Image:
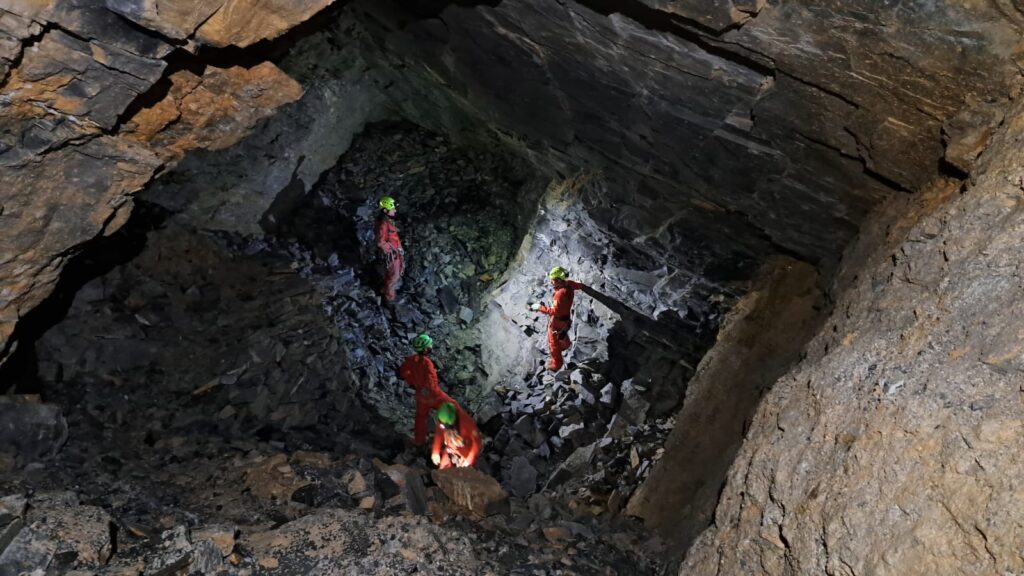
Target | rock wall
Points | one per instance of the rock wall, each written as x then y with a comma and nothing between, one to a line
98,99
895,448
231,188
760,339
92,110
784,121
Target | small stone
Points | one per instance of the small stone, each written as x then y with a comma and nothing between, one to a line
13,506
617,428
414,493
449,300
30,552
608,394
579,530
544,451
173,554
206,558
368,502
634,407
31,430
523,479
615,502
357,484
540,506
587,396
557,534
568,432
527,428
573,465
466,314
577,377
396,472
222,535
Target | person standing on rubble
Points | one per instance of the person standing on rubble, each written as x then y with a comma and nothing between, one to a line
457,440
390,246
419,372
560,313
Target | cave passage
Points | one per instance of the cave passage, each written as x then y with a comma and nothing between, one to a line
248,380
795,348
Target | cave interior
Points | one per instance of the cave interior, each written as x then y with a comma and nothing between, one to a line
198,373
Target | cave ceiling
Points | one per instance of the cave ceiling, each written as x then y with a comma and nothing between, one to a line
737,128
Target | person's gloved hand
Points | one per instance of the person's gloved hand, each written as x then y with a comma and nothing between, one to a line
535,306
436,459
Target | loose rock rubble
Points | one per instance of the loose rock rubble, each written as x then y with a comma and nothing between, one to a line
240,399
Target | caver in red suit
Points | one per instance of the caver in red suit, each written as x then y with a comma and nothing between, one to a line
456,445
561,320
418,370
388,242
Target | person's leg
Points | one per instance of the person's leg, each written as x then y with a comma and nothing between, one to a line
391,277
555,363
420,428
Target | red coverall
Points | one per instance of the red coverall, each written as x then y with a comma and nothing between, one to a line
461,443
561,319
418,370
386,234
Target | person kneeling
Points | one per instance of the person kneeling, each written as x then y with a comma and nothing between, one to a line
457,440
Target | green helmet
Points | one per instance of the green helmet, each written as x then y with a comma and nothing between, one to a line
387,203
422,342
446,414
558,273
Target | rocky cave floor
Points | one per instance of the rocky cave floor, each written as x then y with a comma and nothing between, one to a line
232,405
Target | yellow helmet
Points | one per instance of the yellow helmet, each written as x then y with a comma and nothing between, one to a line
387,203
558,273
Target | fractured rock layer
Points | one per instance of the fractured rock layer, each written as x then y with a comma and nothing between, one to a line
762,336
895,448
796,123
73,74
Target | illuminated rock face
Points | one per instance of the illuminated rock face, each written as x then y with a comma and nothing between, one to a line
680,144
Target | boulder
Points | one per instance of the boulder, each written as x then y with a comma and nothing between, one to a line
29,430
61,535
472,490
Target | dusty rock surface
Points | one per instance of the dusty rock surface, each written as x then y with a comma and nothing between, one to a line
895,447
212,111
784,121
72,76
763,335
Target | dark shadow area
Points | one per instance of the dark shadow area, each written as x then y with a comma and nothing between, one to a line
763,337
659,354
19,373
